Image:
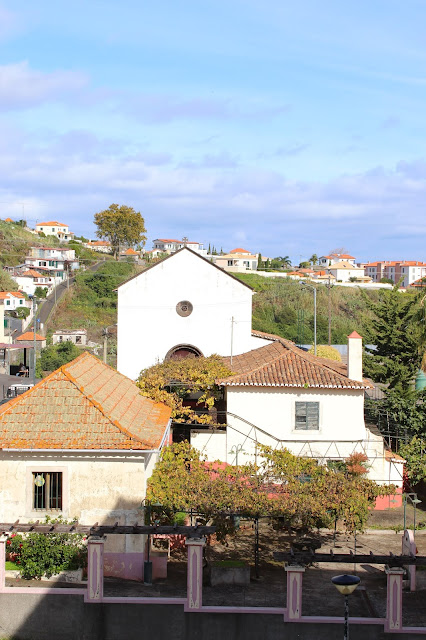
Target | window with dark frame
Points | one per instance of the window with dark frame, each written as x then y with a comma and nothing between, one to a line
307,415
47,490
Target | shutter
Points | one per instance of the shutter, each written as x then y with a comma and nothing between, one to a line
312,415
307,415
301,415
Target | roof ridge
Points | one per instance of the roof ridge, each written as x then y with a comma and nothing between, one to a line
96,404
308,357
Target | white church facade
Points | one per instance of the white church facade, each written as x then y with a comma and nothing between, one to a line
278,395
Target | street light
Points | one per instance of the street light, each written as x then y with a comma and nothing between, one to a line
415,501
314,289
346,585
34,301
236,448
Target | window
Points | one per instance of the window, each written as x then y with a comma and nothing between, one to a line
21,302
307,415
47,491
7,303
77,339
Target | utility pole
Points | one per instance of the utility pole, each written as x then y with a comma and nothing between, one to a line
105,334
329,310
232,337
35,339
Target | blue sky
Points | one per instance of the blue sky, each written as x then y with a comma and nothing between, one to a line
288,130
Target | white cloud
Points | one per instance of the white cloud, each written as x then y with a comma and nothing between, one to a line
23,87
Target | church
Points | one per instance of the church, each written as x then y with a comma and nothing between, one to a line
278,395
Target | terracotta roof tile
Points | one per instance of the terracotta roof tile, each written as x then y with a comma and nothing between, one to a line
6,294
29,335
83,405
282,364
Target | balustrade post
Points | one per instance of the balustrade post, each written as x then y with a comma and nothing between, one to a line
3,540
95,569
194,596
294,592
393,621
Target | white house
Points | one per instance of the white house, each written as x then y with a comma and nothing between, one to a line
170,245
237,261
81,444
344,270
182,304
78,337
103,246
279,395
333,258
29,280
13,300
54,228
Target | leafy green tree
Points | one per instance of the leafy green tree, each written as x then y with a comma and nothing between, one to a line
121,226
55,356
304,265
397,356
313,259
259,261
298,492
40,292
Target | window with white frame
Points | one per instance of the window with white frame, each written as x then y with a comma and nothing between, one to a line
307,415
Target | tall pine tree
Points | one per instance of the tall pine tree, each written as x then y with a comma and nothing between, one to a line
397,357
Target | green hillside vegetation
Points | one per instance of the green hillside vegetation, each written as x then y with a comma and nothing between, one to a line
15,242
284,307
92,302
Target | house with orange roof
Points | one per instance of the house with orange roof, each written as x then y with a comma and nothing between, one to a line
328,261
81,444
345,271
237,261
171,245
283,397
129,255
404,272
13,300
55,228
278,395
28,337
28,281
103,246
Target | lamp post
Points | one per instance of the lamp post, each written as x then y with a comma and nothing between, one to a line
415,501
312,288
236,448
34,301
346,585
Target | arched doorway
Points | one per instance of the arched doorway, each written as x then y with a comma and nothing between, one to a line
181,351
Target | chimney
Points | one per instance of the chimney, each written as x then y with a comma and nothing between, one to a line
355,356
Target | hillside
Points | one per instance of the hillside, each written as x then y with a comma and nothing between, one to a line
285,307
15,243
92,302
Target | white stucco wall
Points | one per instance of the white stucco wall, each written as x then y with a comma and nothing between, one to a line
149,326
104,488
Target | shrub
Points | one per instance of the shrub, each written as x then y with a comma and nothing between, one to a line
325,351
38,554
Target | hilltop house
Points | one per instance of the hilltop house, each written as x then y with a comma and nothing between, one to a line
333,258
237,261
279,395
54,228
81,444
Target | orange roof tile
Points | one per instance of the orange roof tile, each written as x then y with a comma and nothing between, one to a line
51,223
239,250
282,364
32,273
29,335
131,252
16,294
83,405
